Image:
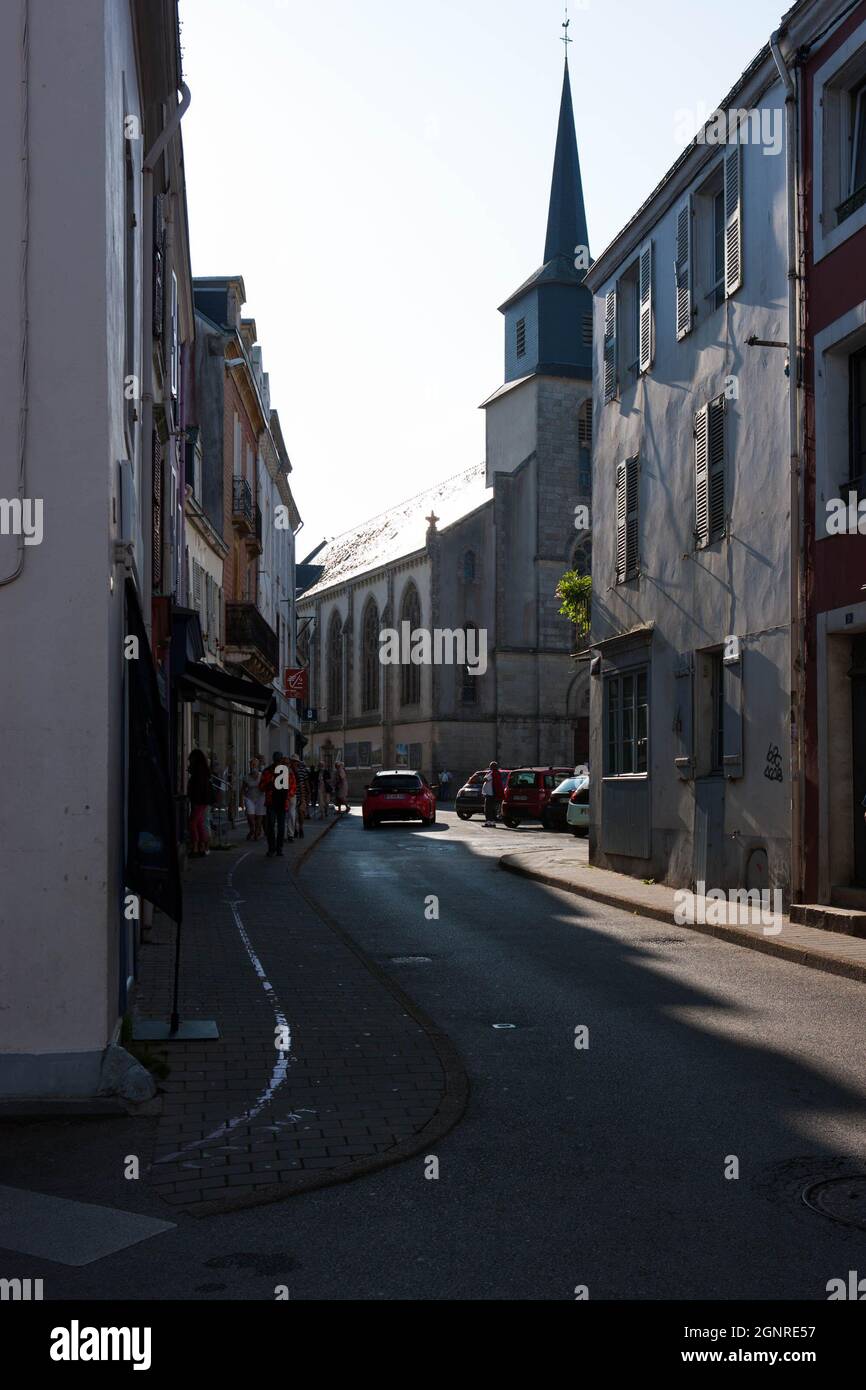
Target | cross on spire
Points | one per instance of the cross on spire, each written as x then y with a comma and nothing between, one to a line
431,519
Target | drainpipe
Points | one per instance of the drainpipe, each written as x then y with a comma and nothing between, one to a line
148,165
797,653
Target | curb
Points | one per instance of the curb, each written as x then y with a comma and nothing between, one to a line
797,955
450,1110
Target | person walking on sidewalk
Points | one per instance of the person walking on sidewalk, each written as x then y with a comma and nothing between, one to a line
324,792
445,785
280,787
302,804
493,791
201,795
254,804
341,788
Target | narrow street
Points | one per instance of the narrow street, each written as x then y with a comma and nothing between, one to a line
601,1166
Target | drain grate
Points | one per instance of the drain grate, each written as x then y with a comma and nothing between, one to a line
842,1199
411,960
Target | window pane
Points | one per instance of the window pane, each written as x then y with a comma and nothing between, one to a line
612,727
642,723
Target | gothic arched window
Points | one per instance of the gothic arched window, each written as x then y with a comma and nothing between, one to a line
410,674
469,565
370,657
468,681
335,667
581,559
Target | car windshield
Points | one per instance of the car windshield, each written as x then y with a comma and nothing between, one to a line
567,786
398,782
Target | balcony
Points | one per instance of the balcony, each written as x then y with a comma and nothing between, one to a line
251,642
243,518
254,539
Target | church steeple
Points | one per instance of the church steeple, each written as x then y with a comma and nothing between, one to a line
548,320
566,218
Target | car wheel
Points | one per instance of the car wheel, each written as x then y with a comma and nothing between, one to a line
511,822
464,815
428,820
578,830
546,823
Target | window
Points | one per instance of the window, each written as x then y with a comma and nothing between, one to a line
370,666
350,755
364,751
627,498
839,144
857,376
610,363
174,345
718,245
710,509
416,754
410,674
469,566
627,724
468,682
717,725
520,335
584,448
628,298
401,759
582,557
335,667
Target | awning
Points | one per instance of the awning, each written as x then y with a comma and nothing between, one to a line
202,682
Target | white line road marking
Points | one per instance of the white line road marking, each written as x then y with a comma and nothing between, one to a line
278,1074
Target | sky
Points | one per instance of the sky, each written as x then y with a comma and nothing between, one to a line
379,174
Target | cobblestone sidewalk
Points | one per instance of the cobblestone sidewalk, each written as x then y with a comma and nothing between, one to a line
362,1078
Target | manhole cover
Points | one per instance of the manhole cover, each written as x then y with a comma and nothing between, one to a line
411,960
842,1199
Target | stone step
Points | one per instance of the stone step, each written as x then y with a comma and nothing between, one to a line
846,920
849,897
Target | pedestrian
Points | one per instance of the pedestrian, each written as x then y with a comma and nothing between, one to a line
279,787
200,794
254,803
341,788
444,785
493,792
324,791
302,802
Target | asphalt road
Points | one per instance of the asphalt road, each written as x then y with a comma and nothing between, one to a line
601,1166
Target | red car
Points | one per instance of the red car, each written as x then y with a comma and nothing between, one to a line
528,792
398,795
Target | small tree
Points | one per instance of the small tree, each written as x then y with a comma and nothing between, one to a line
574,592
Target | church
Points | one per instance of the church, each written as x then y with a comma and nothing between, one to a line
483,550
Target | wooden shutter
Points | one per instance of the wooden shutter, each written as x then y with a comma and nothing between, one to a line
156,531
732,732
702,504
733,220
716,467
196,588
631,504
610,345
158,264
684,756
646,306
683,268
621,519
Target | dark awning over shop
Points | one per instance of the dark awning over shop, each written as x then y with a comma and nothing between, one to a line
196,680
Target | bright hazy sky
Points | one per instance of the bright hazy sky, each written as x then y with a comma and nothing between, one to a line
379,174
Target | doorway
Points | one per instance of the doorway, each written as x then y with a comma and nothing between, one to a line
857,675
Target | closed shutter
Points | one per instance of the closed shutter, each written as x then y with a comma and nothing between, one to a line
646,307
683,269
716,466
733,220
684,756
621,554
610,345
158,264
196,589
156,532
732,728
702,505
631,501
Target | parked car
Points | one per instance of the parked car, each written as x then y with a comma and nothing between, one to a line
577,814
528,791
555,814
469,801
398,795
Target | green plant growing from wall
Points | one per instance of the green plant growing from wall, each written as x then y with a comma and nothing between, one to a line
574,592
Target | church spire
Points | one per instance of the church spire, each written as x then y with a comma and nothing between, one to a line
566,218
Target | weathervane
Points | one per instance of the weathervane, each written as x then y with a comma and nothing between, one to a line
565,39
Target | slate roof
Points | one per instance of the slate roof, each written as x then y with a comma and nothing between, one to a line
402,529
